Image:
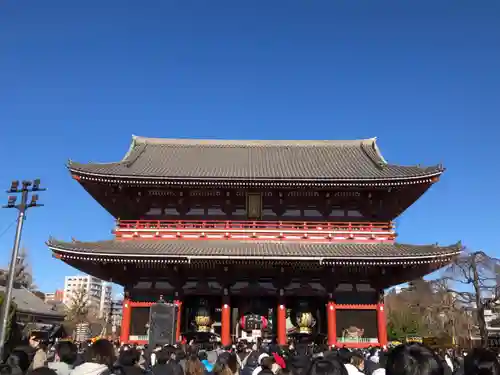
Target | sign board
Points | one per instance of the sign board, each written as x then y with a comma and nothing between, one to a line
256,333
493,341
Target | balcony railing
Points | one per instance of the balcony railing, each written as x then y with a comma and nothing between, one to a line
260,230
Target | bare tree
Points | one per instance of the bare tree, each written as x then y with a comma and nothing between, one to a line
23,276
473,280
425,308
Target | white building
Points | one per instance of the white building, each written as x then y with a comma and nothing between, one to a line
97,292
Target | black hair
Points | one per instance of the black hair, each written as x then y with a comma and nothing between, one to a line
414,358
129,357
101,351
67,352
481,361
202,355
330,366
162,357
344,355
42,371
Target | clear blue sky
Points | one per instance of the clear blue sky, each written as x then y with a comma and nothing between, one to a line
78,78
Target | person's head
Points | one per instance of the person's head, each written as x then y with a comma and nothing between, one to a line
66,352
19,358
101,352
344,355
202,355
267,363
481,362
414,358
221,369
162,357
330,366
194,366
358,361
42,371
129,357
241,346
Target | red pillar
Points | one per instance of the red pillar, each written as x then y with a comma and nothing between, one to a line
331,317
178,303
125,325
281,324
382,326
226,323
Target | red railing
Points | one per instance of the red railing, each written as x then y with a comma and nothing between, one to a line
255,225
279,230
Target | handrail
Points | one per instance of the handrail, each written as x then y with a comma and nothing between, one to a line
228,225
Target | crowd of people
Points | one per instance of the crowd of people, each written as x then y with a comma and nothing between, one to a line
106,358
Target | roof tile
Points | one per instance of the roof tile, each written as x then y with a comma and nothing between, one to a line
249,249
254,160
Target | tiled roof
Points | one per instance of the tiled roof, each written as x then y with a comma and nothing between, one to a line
231,249
223,160
29,303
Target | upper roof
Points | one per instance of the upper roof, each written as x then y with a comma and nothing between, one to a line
189,250
258,160
29,303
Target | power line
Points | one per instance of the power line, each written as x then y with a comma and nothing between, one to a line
7,228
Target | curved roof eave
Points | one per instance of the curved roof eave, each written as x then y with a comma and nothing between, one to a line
453,250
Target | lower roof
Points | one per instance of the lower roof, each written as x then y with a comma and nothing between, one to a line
29,303
188,250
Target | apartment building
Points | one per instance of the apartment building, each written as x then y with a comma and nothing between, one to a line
97,292
55,297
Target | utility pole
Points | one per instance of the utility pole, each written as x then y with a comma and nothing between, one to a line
24,189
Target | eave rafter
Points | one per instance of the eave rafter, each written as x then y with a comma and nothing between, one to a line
147,261
275,183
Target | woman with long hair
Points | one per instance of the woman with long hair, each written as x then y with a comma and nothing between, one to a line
194,366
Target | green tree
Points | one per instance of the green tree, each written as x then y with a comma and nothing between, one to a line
78,307
12,315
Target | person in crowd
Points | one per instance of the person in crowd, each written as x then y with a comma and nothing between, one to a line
203,356
232,363
173,362
152,360
40,358
413,359
42,371
161,366
248,356
65,358
328,365
481,362
221,369
382,362
372,362
180,358
356,364
128,362
194,366
99,359
18,362
266,362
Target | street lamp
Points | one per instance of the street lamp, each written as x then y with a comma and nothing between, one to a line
15,188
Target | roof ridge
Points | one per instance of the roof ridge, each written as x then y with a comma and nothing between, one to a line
136,140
